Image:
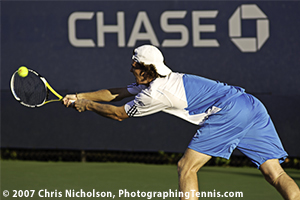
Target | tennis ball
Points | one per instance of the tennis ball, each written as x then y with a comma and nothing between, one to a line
23,71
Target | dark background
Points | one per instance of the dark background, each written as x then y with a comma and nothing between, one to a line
35,34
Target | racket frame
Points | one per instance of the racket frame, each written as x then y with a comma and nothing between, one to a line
47,87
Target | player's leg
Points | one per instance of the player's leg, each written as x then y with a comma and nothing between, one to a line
262,145
277,177
188,167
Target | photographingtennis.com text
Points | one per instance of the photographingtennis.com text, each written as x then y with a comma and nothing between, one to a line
122,193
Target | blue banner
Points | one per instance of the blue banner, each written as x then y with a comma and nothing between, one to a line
84,46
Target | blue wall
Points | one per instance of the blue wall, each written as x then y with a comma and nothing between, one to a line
253,45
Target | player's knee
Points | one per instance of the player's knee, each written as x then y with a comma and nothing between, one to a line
184,167
272,170
180,165
274,177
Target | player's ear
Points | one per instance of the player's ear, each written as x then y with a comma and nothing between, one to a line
143,73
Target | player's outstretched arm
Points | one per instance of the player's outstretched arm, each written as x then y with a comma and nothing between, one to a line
104,95
105,110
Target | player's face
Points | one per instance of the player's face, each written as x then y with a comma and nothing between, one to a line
139,75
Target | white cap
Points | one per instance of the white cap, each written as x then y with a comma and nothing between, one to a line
149,54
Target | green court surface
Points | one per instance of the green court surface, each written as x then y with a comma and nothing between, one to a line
70,180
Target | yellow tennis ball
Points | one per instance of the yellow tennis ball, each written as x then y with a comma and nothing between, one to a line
23,71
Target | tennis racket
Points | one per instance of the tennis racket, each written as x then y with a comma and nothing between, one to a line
33,90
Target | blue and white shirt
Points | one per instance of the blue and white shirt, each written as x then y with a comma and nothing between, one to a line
192,98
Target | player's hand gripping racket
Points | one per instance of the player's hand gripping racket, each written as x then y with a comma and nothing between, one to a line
32,90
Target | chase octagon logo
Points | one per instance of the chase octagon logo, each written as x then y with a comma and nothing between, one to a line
248,44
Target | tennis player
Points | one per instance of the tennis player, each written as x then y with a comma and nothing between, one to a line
227,116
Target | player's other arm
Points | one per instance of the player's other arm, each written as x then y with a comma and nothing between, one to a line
105,110
104,95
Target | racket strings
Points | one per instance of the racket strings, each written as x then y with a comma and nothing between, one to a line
31,90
